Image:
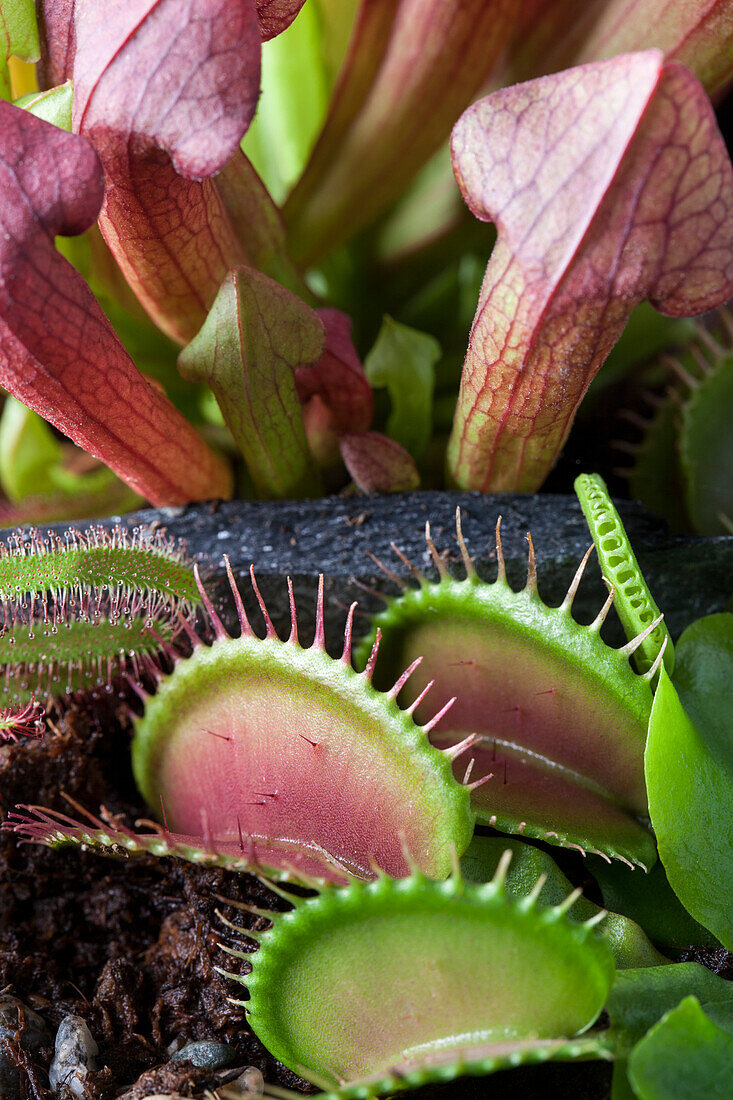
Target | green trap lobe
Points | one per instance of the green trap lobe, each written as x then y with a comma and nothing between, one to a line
416,973
270,740
561,717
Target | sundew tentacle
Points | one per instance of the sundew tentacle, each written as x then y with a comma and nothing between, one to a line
560,716
632,599
77,611
382,986
96,559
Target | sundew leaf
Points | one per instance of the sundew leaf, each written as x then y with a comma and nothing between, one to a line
382,986
479,863
254,339
18,38
706,448
690,797
165,90
684,1057
58,353
403,360
597,208
412,67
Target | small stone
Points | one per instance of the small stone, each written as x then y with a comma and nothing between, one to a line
75,1056
251,1082
15,1017
206,1055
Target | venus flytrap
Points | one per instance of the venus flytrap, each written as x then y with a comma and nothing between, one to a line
260,755
438,947
559,717
680,462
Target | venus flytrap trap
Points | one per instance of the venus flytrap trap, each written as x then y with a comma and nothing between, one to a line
558,718
260,752
680,463
439,946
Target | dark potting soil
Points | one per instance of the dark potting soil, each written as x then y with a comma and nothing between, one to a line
131,945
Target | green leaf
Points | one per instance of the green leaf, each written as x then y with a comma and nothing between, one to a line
18,37
28,452
403,360
479,863
703,676
255,336
690,799
684,1057
54,105
336,24
641,997
649,900
292,105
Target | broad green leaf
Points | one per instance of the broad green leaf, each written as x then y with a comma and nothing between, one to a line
292,105
690,799
18,37
255,337
54,105
649,900
28,452
403,360
479,863
684,1057
641,996
703,677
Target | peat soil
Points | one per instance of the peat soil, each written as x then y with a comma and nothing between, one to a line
131,945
